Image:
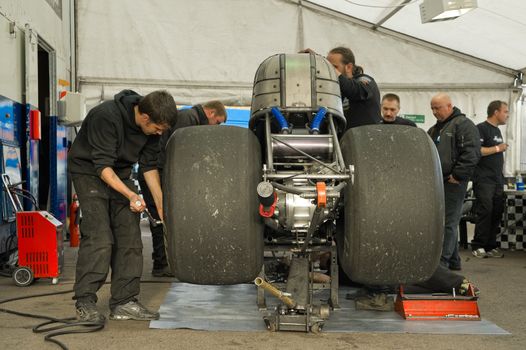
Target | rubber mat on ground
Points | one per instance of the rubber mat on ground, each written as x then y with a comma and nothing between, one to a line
233,308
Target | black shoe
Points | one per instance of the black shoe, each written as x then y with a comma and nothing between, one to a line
133,310
455,268
87,312
162,272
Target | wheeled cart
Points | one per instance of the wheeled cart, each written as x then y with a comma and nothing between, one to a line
40,241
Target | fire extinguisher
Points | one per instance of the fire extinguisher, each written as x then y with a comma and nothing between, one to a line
74,231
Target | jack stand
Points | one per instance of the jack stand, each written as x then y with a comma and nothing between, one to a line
438,307
311,320
296,313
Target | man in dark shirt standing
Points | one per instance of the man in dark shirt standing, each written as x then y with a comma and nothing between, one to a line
488,183
390,110
115,135
458,145
210,113
361,97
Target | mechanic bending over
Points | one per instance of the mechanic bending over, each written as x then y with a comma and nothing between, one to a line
210,113
115,135
361,97
360,94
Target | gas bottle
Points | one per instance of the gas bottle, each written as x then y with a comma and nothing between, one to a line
74,229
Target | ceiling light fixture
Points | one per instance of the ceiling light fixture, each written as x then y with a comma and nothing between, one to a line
443,10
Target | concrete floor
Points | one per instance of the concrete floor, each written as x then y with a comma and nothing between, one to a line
501,281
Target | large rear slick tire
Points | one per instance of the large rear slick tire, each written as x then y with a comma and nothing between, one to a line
214,232
394,206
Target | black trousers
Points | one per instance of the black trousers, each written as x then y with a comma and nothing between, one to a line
110,237
442,281
159,249
489,206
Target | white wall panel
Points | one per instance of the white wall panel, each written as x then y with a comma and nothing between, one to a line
52,29
11,62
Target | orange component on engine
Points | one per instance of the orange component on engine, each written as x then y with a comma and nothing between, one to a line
321,189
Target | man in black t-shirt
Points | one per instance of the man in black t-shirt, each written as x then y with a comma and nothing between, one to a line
390,110
488,183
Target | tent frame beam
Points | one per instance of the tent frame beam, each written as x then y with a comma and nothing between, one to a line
371,26
390,14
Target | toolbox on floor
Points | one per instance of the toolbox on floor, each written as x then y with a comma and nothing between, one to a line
438,307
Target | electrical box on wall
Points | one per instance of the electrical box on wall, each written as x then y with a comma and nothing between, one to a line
72,109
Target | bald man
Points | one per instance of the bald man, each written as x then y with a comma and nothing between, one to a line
458,143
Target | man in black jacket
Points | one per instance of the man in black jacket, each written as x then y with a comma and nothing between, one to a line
360,94
115,135
210,113
458,145
390,110
488,183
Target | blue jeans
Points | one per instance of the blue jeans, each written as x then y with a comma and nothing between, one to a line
454,198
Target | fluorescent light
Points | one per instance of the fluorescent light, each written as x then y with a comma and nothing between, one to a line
442,10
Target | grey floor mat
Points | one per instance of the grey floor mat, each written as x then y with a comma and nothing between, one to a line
233,308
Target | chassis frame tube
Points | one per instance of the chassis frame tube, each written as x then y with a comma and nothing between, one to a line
337,148
310,176
268,137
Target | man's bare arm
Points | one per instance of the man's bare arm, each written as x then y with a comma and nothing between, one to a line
136,202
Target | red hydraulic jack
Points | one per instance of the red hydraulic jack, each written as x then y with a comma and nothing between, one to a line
438,307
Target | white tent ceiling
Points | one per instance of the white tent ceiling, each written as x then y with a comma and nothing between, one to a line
205,49
495,31
208,49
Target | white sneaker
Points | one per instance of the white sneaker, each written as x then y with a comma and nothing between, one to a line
480,253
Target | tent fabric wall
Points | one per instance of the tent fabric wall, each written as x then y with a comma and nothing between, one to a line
210,48
214,48
493,28
204,50
394,61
